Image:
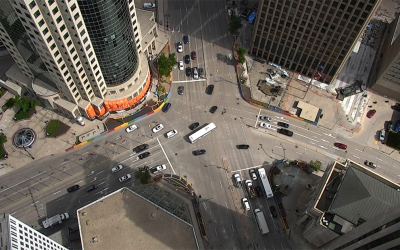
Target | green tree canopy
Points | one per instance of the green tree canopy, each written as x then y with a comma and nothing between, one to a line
24,103
315,165
235,24
143,174
242,52
165,64
3,139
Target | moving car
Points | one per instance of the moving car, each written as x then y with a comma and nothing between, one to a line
156,169
180,90
285,132
171,133
199,152
213,109
340,145
210,89
131,128
253,175
125,177
382,135
371,113
242,146
193,55
265,118
282,124
273,211
117,168
370,164
187,59
157,128
259,191
201,72
188,72
195,73
143,155
92,187
141,148
185,39
181,67
265,125
194,125
166,107
246,204
73,188
180,49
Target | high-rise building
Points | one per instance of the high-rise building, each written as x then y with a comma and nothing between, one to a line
314,38
15,235
80,57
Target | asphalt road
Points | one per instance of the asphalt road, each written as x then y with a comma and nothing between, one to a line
39,189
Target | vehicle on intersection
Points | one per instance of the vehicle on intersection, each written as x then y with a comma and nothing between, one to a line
194,125
117,168
125,177
180,90
73,188
158,168
285,132
157,128
213,109
202,132
181,67
140,148
265,118
143,155
265,125
171,133
199,152
180,49
252,174
242,146
340,145
370,164
131,128
92,187
371,113
282,124
265,182
188,72
261,222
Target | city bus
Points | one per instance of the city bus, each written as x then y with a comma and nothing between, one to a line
261,222
201,132
265,183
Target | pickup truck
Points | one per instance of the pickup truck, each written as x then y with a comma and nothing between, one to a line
250,189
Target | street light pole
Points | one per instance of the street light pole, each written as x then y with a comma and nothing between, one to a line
28,153
284,155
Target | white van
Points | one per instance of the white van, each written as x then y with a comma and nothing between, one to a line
195,73
171,133
149,5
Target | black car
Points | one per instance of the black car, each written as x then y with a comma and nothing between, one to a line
180,90
282,124
259,191
187,59
210,89
194,125
396,107
185,39
73,188
201,72
188,72
213,109
285,132
242,146
143,155
199,152
141,148
166,107
389,125
273,211
92,187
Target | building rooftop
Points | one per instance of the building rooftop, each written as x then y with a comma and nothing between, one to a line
125,220
308,111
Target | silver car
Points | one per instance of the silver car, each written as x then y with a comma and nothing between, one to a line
125,177
265,118
382,135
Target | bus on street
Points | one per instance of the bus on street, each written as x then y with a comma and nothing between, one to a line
265,183
202,132
261,222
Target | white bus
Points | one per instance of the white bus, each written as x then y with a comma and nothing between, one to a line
265,182
202,132
261,222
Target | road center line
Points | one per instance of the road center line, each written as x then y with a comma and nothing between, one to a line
255,125
306,137
356,157
57,192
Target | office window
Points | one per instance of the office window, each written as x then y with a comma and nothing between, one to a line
76,16
75,57
45,31
88,47
32,4
83,32
85,40
66,35
72,50
52,46
41,22
51,2
90,54
69,43
79,24
62,66
55,10
56,53
62,28
36,14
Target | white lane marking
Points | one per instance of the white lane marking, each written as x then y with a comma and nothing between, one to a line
255,125
64,163
306,137
220,182
79,182
166,156
212,185
356,157
13,213
278,147
100,172
84,195
378,159
281,118
102,183
57,192
358,150
62,206
100,192
34,203
24,181
330,135
312,142
323,147
299,153
60,199
305,129
324,140
335,148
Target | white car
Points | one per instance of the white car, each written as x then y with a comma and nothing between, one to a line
156,169
253,175
181,67
265,125
180,49
116,168
238,181
125,178
157,128
171,133
265,118
246,204
131,128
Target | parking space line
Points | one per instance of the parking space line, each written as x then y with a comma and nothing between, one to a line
166,156
255,125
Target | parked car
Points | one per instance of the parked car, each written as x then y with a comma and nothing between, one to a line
340,145
210,89
285,132
246,204
396,107
259,191
157,128
131,128
116,168
181,67
382,135
91,188
371,113
237,180
265,125
188,72
180,90
201,72
193,55
166,107
187,59
141,148
265,118
199,152
158,168
370,164
273,211
195,73
180,49
194,125
125,177
253,175
389,125
171,133
73,188
213,109
143,155
282,124
242,146
185,39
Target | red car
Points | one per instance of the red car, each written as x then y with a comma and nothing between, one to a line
193,55
371,113
340,145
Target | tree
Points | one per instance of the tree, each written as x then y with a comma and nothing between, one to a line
3,139
165,64
143,174
316,165
241,53
234,24
24,103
